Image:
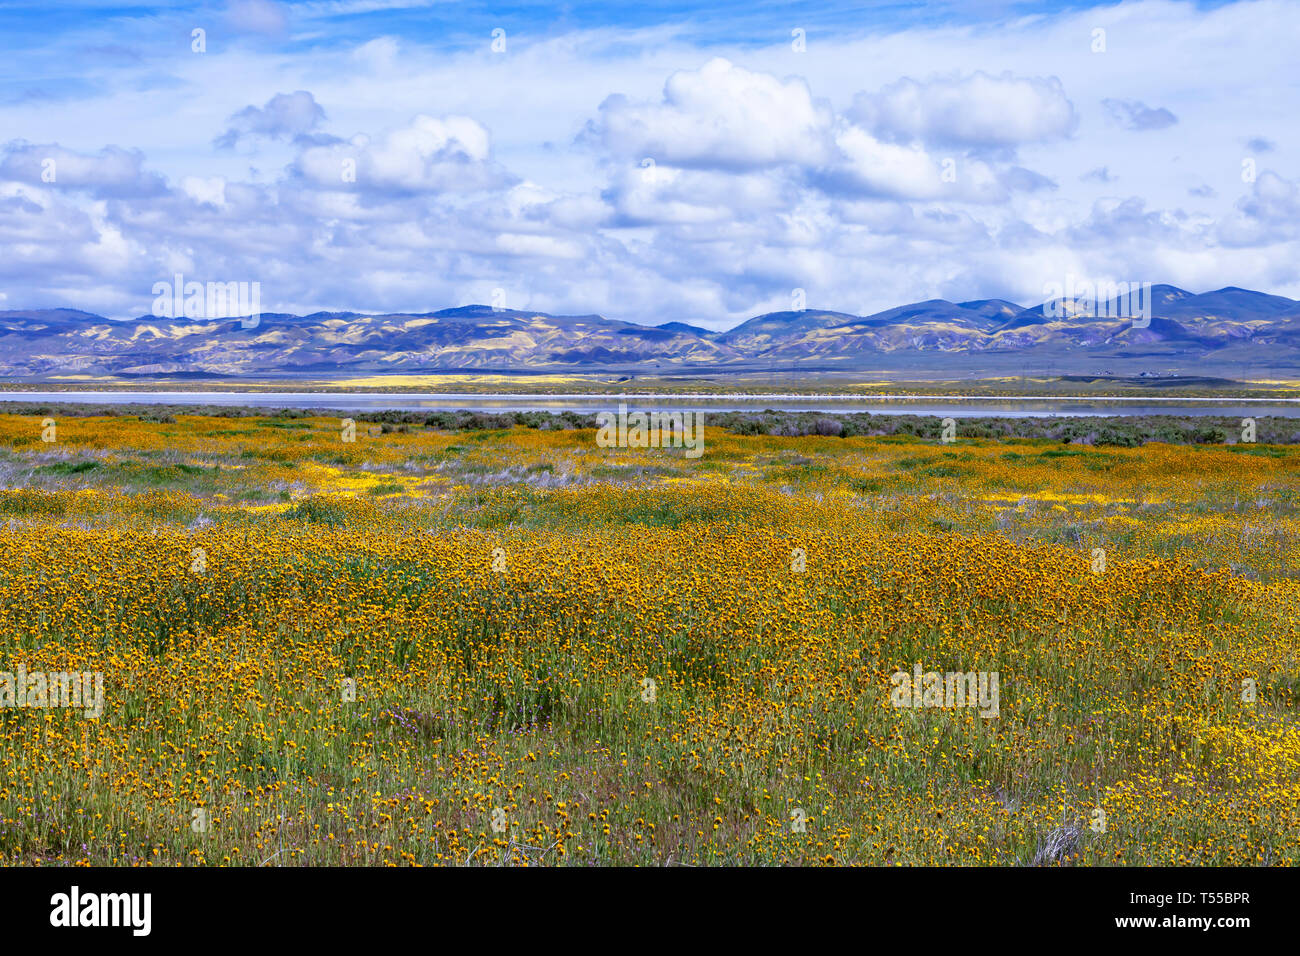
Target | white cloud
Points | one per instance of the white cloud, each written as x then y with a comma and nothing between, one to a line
1136,115
974,110
285,116
111,172
210,190
430,154
909,172
720,116
1270,213
519,244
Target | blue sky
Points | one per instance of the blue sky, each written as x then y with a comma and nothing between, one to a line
651,162
722,21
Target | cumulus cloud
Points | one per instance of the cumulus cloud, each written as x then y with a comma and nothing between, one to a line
112,173
430,154
1099,175
978,110
205,190
1125,221
1136,115
1270,213
890,170
285,116
766,137
720,116
654,194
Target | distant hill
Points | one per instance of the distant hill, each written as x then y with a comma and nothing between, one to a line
1228,330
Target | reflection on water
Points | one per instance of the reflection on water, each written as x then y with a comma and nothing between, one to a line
956,407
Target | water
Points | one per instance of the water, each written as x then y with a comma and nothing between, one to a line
971,406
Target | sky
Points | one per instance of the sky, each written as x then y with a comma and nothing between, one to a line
652,162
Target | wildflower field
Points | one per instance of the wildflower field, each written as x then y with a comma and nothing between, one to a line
514,647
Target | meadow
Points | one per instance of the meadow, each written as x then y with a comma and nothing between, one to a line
513,647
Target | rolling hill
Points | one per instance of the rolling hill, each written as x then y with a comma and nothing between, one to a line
1229,329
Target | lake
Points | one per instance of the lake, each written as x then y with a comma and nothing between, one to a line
943,406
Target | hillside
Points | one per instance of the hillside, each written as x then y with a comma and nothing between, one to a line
1228,329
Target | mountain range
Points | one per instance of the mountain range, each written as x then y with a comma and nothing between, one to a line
1229,330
